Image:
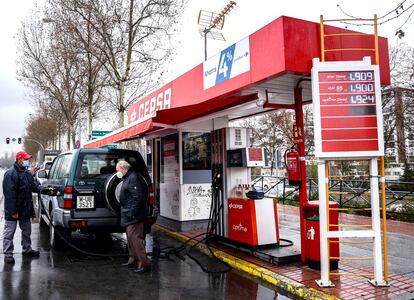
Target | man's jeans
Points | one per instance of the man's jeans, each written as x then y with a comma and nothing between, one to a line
8,234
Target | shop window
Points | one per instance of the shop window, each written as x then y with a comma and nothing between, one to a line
196,151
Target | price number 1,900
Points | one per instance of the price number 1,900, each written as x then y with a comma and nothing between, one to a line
361,87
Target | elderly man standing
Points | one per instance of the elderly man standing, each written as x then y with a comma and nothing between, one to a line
18,185
133,199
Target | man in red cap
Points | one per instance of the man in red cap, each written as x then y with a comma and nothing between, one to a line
18,185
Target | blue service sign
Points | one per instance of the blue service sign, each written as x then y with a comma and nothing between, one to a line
227,64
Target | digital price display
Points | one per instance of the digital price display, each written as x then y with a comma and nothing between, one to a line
346,107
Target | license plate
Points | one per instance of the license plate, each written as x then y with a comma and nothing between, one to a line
85,202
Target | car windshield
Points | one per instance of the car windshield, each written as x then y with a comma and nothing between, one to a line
47,166
93,165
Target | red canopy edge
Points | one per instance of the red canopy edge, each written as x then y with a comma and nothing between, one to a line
121,134
169,117
186,113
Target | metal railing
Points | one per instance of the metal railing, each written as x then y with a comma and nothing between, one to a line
346,192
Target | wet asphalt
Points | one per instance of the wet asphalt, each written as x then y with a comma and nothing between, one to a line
67,274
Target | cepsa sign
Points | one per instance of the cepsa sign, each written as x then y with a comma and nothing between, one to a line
347,109
143,108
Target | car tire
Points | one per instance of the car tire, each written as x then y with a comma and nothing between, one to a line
55,232
42,222
112,188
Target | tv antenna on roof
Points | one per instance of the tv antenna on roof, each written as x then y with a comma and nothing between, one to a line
210,20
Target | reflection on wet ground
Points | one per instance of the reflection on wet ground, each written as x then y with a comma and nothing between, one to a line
66,274
69,275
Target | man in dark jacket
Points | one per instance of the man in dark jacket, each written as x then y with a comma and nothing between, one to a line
133,200
18,185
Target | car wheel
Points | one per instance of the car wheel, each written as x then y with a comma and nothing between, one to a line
112,192
55,232
42,222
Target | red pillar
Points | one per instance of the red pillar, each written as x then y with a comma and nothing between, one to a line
303,198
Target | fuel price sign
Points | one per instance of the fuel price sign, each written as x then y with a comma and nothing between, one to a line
347,109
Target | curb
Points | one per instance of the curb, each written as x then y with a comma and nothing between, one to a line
282,282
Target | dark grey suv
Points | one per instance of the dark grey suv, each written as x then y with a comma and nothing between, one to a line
82,192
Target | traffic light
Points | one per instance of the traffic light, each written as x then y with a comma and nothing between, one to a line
19,140
7,140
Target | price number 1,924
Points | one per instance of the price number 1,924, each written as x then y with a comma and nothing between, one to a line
362,99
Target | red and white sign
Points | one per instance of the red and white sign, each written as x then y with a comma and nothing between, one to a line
144,108
347,109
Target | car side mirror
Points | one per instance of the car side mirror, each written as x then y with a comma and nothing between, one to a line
42,174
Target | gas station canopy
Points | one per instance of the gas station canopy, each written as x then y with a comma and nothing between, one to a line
265,66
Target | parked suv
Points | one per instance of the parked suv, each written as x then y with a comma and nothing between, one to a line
82,192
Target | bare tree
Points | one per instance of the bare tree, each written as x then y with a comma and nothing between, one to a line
131,41
398,102
39,129
49,66
94,77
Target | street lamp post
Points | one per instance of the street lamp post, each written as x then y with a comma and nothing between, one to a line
33,140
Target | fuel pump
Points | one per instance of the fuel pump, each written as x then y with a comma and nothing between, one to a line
245,217
292,162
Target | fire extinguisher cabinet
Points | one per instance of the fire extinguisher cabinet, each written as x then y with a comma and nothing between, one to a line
312,238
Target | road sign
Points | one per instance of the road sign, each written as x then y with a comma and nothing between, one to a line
98,133
110,146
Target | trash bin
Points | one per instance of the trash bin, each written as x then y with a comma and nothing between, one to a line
312,236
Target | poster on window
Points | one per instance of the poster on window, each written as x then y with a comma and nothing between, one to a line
195,201
169,187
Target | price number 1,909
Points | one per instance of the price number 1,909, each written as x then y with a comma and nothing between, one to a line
361,75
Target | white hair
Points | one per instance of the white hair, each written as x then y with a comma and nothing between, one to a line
123,164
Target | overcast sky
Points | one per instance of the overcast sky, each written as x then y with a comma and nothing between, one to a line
246,18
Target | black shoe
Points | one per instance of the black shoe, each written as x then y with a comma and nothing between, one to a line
142,270
9,259
32,253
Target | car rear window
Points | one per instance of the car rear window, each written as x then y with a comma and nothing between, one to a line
92,165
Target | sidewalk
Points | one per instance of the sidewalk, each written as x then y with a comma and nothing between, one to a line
299,280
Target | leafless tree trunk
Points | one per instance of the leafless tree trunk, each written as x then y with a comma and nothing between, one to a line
131,40
48,66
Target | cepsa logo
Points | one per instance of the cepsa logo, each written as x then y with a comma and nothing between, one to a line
235,206
145,107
